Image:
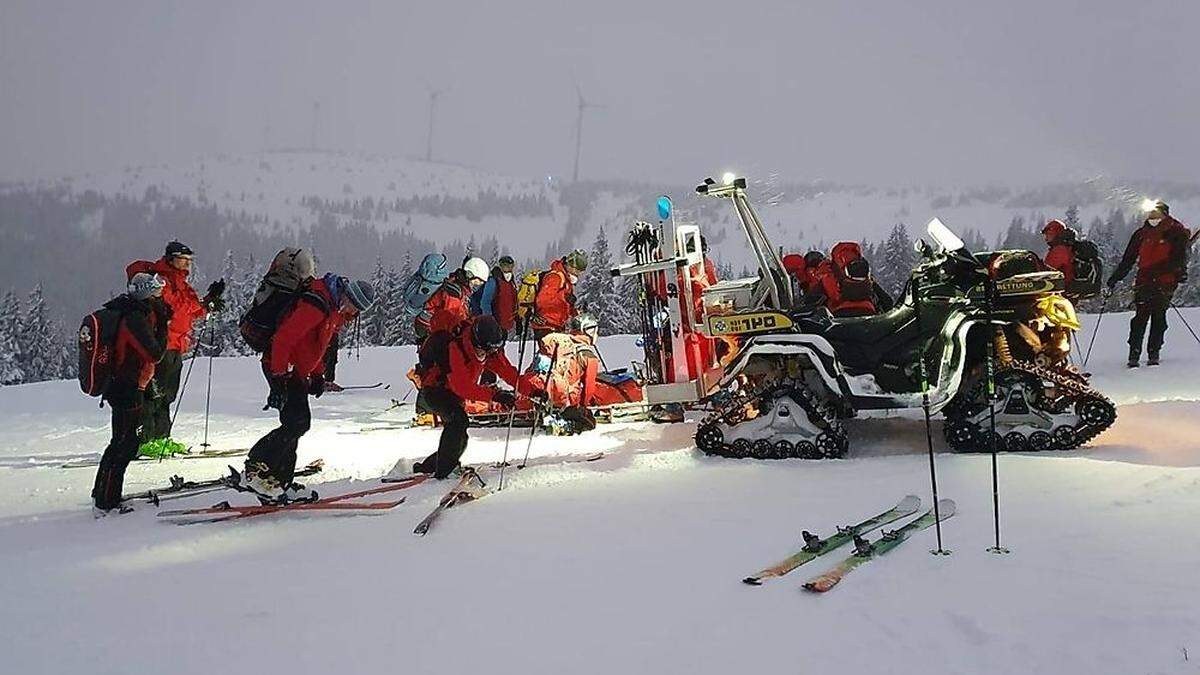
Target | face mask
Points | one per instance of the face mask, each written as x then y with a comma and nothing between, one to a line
508,276
574,278
1154,222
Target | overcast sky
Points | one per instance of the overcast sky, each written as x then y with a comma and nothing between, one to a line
880,92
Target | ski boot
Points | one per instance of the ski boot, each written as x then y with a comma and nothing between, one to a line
257,478
297,492
812,543
119,510
1152,359
1135,355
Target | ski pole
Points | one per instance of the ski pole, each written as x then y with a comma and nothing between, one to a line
182,390
937,516
1096,328
1185,322
212,350
512,414
546,403
991,394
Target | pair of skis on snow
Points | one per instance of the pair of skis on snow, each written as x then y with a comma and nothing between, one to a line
180,488
345,502
864,550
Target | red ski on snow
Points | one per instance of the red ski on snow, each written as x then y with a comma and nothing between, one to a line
226,511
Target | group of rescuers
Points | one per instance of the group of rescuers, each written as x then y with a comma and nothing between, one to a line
469,319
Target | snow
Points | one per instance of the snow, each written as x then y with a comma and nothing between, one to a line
628,564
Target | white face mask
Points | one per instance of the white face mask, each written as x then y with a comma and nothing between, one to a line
1154,222
508,276
574,278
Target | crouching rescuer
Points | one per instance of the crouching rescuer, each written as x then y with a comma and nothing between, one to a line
295,368
450,365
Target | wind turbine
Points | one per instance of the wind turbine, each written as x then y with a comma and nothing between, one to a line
312,139
583,105
433,97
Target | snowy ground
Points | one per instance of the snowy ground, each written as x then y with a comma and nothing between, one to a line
626,565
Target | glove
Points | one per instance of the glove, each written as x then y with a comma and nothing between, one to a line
316,385
216,289
279,392
213,303
506,399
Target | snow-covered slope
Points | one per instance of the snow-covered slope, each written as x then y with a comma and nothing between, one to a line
630,564
272,187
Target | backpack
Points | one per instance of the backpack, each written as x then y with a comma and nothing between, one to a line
527,292
286,282
850,289
97,349
1089,268
422,284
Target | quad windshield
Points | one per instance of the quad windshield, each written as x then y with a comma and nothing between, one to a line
944,236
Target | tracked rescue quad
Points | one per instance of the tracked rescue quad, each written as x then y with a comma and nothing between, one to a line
798,372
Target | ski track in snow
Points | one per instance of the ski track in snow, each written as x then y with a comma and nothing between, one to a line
629,564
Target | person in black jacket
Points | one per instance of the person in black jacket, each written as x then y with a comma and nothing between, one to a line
141,341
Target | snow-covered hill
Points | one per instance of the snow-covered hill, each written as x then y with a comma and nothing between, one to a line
630,564
400,194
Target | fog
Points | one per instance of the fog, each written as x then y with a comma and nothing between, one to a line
891,92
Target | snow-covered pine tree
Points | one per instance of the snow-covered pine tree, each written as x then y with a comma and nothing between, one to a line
375,320
40,348
399,330
898,260
599,290
11,371
1071,219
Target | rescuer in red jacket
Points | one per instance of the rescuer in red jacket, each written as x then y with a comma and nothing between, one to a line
186,307
1061,256
449,305
1160,249
498,297
845,286
140,343
450,366
295,367
554,306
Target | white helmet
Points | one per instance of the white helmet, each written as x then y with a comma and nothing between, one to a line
145,285
477,268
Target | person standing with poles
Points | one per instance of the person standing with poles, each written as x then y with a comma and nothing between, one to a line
1160,249
295,369
186,307
139,344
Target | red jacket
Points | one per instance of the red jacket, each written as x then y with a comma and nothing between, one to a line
140,341
466,368
304,334
1161,253
448,306
179,296
504,305
1061,255
555,302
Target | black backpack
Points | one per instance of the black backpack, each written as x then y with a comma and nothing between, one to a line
1089,268
97,349
259,323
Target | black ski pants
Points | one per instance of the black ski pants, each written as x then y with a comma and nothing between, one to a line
277,450
125,401
1150,304
449,407
156,422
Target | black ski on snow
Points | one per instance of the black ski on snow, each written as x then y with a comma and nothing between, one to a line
180,488
461,493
